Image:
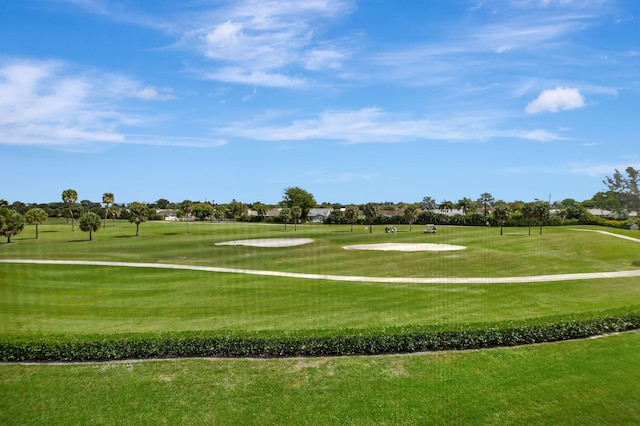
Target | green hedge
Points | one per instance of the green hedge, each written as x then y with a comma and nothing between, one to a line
289,345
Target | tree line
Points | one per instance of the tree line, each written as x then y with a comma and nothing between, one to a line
622,197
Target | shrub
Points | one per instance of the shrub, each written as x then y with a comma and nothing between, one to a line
384,341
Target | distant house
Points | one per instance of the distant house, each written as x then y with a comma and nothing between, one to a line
273,212
389,213
167,214
603,213
318,215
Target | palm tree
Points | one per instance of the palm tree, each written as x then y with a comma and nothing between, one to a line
528,212
486,200
541,212
36,216
446,206
261,210
186,207
501,213
90,222
138,213
351,213
410,215
285,215
466,204
108,199
70,196
296,212
371,213
115,212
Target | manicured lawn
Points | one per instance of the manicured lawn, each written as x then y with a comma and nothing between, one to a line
577,382
61,299
558,250
586,382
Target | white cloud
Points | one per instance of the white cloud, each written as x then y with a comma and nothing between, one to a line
541,136
374,125
254,77
151,94
599,169
260,43
46,103
554,100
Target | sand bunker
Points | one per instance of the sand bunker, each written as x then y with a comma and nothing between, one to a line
406,247
268,242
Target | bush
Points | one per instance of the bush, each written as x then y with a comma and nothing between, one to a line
384,341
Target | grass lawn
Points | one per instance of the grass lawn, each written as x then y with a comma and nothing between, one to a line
62,299
558,250
586,382
578,382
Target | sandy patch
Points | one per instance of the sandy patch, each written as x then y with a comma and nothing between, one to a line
268,242
406,247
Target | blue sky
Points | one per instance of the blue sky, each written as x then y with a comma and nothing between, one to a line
354,101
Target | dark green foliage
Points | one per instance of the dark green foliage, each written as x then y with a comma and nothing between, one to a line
270,345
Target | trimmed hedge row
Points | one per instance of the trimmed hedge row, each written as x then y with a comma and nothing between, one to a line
382,342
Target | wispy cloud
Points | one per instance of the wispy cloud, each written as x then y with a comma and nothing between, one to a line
374,125
116,11
600,169
47,103
266,43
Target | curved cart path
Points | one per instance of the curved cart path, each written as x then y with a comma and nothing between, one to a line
349,278
430,280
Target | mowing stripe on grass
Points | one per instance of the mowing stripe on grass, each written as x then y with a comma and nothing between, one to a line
423,280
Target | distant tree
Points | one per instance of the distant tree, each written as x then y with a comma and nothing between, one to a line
295,196
185,209
203,211
138,213
428,204
296,212
626,188
36,216
19,206
69,197
107,200
114,213
162,203
237,208
90,222
528,212
571,209
351,214
466,205
486,200
260,209
446,206
11,223
370,213
220,212
501,214
285,215
541,212
606,201
410,215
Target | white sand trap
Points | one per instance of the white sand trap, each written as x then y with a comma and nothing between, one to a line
406,247
268,242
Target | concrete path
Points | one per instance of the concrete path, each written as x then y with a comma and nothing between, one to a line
430,280
608,233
